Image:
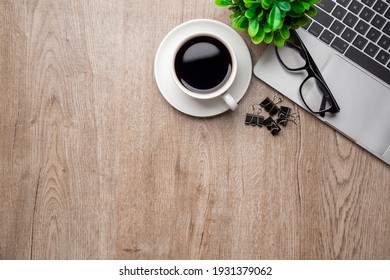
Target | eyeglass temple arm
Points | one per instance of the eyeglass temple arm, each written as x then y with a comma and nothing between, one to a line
324,100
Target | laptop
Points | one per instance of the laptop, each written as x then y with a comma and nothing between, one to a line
349,41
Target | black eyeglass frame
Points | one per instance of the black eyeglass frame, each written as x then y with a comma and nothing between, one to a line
313,72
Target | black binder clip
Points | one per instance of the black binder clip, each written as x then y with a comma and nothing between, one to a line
272,126
254,119
285,116
284,112
271,105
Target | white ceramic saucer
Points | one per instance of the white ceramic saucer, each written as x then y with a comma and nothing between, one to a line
172,93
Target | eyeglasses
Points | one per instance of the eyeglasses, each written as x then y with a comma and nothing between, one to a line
314,91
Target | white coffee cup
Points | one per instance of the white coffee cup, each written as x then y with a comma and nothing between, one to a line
221,90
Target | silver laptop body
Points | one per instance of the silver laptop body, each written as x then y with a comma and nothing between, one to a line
364,98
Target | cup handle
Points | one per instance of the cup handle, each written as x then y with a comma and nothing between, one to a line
229,100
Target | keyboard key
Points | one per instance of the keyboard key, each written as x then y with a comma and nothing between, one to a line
378,21
383,57
350,20
337,27
380,7
355,7
348,35
326,5
315,29
386,29
339,12
367,14
371,49
360,42
344,2
369,2
369,64
387,15
362,27
339,45
323,18
373,34
327,36
384,42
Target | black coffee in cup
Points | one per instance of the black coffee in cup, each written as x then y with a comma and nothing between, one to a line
203,64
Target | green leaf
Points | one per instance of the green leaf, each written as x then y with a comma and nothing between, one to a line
250,14
312,2
266,4
312,11
260,17
303,21
268,37
297,7
284,6
278,40
267,28
243,24
241,5
275,18
284,32
222,3
259,37
235,15
306,5
253,27
252,5
236,22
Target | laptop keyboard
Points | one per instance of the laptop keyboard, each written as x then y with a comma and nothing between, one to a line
360,30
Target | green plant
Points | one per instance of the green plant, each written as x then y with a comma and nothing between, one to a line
269,20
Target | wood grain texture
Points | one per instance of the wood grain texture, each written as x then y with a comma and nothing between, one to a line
95,164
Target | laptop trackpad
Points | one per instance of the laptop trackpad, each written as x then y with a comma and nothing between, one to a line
364,103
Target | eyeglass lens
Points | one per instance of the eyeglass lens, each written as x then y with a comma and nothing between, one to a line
291,57
315,96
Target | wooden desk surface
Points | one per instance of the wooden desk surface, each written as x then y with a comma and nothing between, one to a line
95,164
